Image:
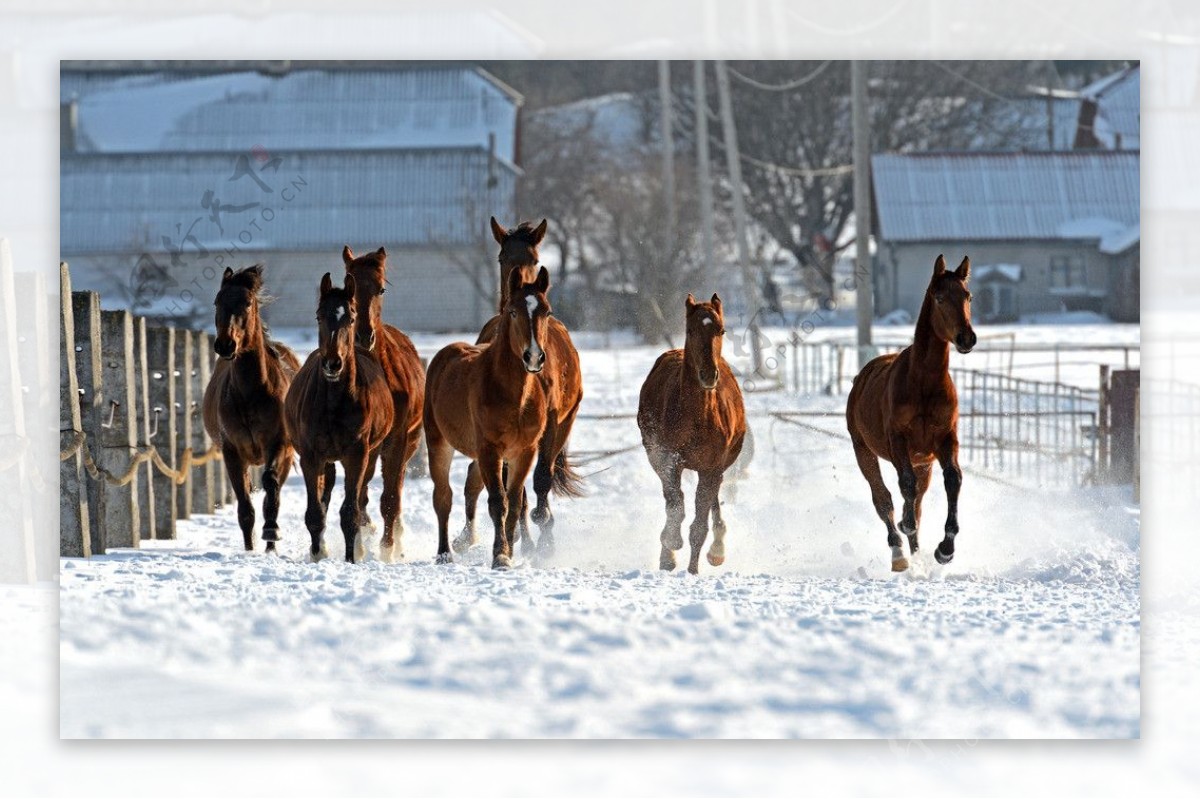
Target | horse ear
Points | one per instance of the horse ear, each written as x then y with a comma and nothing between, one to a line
514,282
381,252
326,284
228,274
964,269
498,231
539,233
690,302
348,285
255,270
939,266
347,255
716,303
542,284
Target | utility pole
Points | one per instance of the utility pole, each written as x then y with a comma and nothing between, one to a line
704,172
733,157
863,273
668,152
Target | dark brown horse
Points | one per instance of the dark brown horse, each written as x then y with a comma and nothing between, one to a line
691,417
903,408
338,409
243,403
406,380
487,402
562,382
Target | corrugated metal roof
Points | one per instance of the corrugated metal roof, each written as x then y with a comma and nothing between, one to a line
965,196
127,203
304,109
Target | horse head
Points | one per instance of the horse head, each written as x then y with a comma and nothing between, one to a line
518,250
951,305
702,349
236,307
336,315
370,276
526,317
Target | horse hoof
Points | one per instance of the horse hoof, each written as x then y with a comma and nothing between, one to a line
444,558
271,548
502,563
270,535
539,516
900,565
317,557
666,561
464,542
941,557
715,560
388,554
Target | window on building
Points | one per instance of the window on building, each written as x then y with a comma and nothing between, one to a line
1067,272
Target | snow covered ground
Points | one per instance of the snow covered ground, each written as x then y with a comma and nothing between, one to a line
1033,630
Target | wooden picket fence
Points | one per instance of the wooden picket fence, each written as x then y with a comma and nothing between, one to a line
134,455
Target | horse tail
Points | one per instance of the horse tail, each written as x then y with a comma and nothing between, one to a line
565,480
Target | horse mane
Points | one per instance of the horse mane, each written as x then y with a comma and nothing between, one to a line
251,279
525,232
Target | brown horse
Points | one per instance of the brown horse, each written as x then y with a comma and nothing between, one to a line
406,380
691,417
487,402
338,409
903,408
562,382
243,403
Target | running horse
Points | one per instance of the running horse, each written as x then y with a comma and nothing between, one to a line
405,376
903,408
487,402
691,416
562,381
243,402
338,408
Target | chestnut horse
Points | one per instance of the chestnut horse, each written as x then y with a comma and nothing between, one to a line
562,382
243,403
903,408
338,409
487,402
406,380
691,417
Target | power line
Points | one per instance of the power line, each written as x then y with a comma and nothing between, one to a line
978,86
780,87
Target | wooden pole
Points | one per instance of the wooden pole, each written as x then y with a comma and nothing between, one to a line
733,158
863,269
160,363
185,342
85,309
74,540
118,432
17,557
704,176
145,479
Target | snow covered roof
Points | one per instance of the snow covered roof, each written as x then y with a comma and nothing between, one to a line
1119,241
995,196
455,105
1010,272
314,200
1118,101
614,121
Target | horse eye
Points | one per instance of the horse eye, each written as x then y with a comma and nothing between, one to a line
383,291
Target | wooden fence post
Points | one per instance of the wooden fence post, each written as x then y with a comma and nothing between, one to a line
85,308
185,342
118,433
202,490
145,478
1102,471
74,541
160,362
16,533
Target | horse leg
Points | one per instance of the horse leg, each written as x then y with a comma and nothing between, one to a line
491,468
868,464
716,552
924,473
947,456
274,473
908,483
354,464
517,471
328,478
543,481
440,454
314,514
467,538
239,479
707,489
669,472
395,466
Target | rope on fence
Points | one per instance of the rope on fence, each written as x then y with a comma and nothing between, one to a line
141,455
